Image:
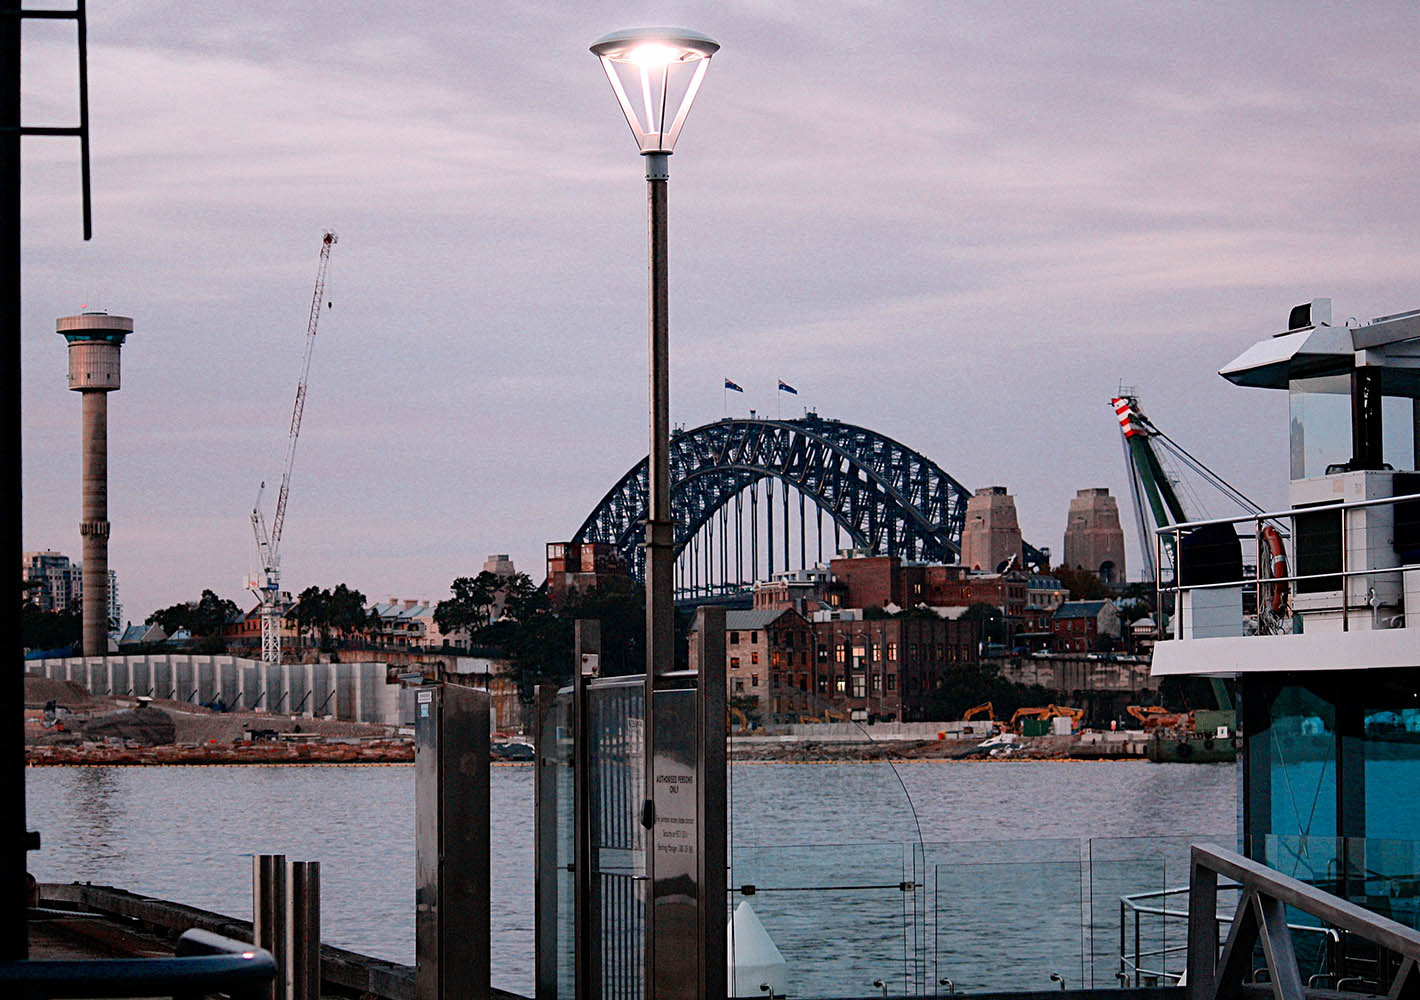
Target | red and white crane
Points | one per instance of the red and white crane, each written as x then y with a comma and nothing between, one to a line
266,584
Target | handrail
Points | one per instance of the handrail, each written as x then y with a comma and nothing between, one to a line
1261,919
1277,515
204,963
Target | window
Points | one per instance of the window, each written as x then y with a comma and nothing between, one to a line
734,663
892,651
877,682
754,680
892,682
840,683
734,637
754,656
776,658
912,650
877,649
739,685
822,684
823,654
840,653
860,686
754,637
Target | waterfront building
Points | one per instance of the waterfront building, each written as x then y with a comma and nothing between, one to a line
58,582
759,643
1094,537
804,590
991,536
404,622
1079,626
879,669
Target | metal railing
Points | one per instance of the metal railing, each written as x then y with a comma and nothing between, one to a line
205,963
1147,965
1276,593
1260,920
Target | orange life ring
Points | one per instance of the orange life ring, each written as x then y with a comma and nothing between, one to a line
1273,538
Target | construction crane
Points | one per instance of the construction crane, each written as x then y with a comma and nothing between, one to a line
1150,484
266,584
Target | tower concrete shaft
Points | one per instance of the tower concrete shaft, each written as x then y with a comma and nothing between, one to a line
94,341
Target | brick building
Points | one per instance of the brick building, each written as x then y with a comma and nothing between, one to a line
1079,625
580,566
878,668
761,642
877,581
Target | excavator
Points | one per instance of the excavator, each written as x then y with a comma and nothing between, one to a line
985,708
1158,717
1047,712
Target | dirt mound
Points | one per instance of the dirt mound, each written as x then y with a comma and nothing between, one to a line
41,690
146,725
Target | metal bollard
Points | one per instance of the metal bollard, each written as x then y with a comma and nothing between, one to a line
268,915
303,978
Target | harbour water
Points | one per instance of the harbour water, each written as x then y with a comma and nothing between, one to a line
1001,844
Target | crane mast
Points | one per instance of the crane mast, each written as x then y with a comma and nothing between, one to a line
267,585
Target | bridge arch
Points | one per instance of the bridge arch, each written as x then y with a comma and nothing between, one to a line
885,497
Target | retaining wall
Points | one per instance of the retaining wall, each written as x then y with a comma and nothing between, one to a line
353,692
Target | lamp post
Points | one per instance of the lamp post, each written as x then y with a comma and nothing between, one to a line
655,74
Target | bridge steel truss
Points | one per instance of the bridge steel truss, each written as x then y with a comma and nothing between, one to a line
887,498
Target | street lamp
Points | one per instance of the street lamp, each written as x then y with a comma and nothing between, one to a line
655,74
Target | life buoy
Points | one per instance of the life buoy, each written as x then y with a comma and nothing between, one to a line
1278,554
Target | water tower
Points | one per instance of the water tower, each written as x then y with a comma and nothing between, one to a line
95,339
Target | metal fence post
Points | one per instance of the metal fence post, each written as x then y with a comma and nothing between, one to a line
451,912
268,915
303,978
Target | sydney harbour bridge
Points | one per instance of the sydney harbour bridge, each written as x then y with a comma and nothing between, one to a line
741,494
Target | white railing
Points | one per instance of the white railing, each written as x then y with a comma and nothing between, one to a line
1364,574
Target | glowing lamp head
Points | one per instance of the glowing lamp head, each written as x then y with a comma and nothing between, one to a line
655,73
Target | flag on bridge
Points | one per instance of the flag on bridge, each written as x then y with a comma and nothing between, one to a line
786,387
731,386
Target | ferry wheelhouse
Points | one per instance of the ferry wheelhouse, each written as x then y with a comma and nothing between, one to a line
1327,659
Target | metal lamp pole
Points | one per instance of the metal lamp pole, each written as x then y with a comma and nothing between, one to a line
662,68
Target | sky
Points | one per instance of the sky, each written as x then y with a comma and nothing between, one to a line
963,226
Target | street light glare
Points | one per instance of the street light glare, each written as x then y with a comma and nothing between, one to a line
656,54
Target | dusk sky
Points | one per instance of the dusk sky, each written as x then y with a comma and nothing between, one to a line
962,225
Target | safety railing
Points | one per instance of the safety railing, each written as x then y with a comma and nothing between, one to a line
1344,559
205,963
1260,921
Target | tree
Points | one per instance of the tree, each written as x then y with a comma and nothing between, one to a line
48,629
1082,584
991,618
326,613
202,617
471,606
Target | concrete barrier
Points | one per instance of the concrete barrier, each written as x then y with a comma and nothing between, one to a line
354,692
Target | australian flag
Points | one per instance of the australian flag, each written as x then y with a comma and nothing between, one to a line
786,387
732,387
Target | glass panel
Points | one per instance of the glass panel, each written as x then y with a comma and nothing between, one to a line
841,916
1398,431
1391,745
1300,749
1320,424
982,912
1137,888
616,775
557,940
